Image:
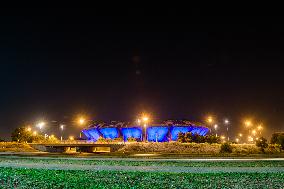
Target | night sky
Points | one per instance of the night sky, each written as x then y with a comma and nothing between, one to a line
57,63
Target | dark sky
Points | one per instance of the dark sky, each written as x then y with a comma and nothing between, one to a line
56,63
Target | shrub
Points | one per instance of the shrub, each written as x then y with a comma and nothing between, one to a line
101,140
245,149
108,140
171,147
212,139
119,139
131,139
198,138
188,137
278,138
226,148
261,143
181,137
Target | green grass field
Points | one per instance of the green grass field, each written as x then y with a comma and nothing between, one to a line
48,173
32,178
147,162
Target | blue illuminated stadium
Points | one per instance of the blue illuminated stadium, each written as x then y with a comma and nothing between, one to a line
134,132
109,132
167,131
157,134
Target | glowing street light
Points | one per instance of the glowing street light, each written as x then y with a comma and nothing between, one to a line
259,128
81,121
240,134
223,138
29,129
254,132
226,122
71,138
145,119
40,125
34,133
210,120
248,123
237,140
216,127
138,121
250,139
61,128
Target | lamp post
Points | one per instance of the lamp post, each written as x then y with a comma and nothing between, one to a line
259,128
40,125
145,120
61,128
216,127
226,121
81,121
210,121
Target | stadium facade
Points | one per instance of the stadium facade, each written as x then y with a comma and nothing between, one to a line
164,132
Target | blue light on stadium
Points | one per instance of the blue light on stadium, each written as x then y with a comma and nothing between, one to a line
162,133
176,130
157,134
109,132
92,134
134,132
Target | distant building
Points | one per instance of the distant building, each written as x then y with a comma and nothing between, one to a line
163,132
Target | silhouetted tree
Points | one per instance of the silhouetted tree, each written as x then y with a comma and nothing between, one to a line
226,148
261,143
188,137
181,137
278,138
21,134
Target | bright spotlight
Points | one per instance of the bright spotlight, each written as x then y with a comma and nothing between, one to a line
40,125
81,121
145,118
226,121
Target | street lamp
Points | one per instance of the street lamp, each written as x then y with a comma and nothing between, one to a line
259,128
144,119
81,121
248,123
210,120
40,125
226,121
61,127
216,127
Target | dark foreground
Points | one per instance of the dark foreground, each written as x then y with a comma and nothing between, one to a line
34,178
43,172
